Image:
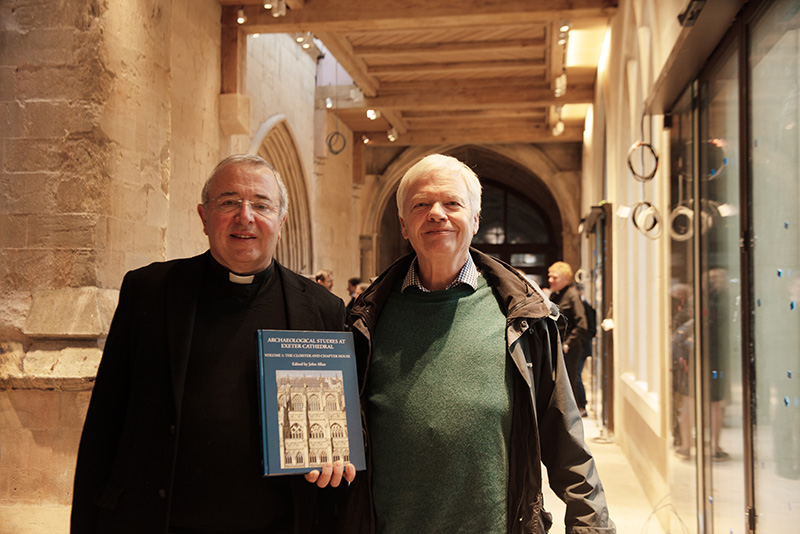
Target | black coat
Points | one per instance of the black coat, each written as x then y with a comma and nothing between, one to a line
127,452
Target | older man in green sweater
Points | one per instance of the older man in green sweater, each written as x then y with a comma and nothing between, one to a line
464,387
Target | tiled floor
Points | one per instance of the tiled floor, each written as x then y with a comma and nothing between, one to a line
627,504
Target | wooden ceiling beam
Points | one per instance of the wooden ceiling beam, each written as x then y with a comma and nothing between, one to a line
458,99
466,66
475,135
355,67
520,83
433,49
382,15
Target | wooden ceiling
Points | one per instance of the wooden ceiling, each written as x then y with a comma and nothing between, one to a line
450,71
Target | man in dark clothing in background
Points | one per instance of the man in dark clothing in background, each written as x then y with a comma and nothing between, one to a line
565,295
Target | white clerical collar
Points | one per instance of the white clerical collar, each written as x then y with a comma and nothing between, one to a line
236,279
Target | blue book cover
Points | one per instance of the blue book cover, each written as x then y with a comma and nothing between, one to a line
310,411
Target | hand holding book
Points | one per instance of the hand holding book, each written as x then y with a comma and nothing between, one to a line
332,474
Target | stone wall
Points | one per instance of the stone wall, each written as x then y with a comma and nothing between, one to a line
108,128
109,115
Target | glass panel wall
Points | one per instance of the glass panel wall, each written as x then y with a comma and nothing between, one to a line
682,466
720,315
774,146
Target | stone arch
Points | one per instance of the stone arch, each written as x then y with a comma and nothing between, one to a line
275,142
562,187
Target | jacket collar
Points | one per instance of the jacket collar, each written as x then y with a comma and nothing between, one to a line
517,295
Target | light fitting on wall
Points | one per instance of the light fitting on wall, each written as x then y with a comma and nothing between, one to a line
356,95
373,114
240,18
563,33
278,8
558,129
561,84
306,40
391,134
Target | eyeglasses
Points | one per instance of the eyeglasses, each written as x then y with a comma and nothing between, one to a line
226,204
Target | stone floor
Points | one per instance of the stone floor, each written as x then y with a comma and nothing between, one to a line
627,504
629,508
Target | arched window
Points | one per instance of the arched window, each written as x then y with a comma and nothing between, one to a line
330,403
336,457
299,458
312,457
296,432
313,403
516,230
297,403
288,458
323,457
337,431
317,432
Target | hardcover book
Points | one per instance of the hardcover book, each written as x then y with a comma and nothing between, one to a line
310,411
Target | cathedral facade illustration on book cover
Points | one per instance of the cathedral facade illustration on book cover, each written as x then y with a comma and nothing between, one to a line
310,412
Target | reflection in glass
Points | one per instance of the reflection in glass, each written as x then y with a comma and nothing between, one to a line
682,466
775,143
720,322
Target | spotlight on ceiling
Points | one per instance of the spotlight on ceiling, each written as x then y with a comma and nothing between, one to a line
391,134
240,18
560,84
278,8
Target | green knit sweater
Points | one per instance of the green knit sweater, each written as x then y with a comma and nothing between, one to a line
439,397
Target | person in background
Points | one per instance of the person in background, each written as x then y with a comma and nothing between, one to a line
171,441
591,333
324,277
565,295
352,290
464,388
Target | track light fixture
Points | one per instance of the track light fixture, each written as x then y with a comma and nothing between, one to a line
240,18
563,33
373,114
558,128
267,5
560,84
279,8
391,135
365,139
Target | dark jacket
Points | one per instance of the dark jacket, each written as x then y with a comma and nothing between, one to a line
126,459
570,305
543,407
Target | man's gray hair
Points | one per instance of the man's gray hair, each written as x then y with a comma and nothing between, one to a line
254,162
440,163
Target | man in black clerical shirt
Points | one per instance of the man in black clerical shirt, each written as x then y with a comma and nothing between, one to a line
171,438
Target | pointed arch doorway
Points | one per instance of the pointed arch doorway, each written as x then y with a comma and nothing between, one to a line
275,142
